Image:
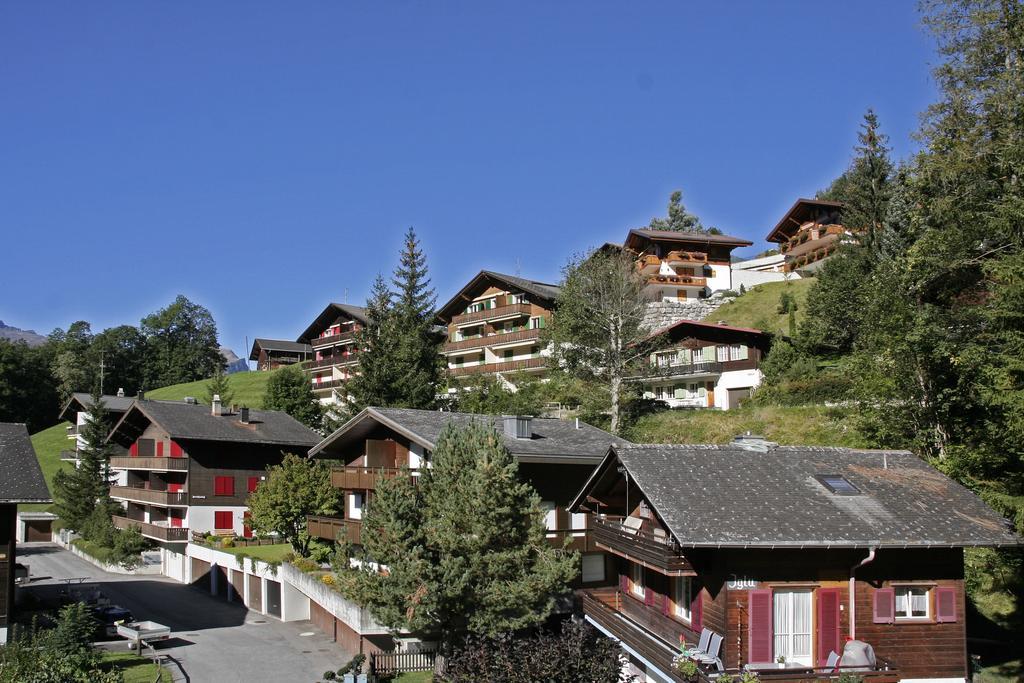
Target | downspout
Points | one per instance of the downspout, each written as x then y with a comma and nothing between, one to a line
853,591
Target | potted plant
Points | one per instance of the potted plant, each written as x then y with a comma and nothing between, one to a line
687,668
781,660
750,677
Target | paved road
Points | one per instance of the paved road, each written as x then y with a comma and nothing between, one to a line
212,640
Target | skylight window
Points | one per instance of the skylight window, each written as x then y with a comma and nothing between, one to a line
838,484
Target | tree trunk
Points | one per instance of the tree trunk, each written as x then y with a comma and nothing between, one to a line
615,385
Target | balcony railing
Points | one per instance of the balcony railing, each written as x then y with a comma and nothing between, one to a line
507,366
808,234
678,280
159,532
317,342
69,456
492,313
151,496
660,552
579,539
492,339
329,384
142,463
680,256
335,528
72,430
328,362
676,370
349,478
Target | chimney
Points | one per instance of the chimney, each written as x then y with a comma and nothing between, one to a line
518,426
120,392
753,442
141,396
215,407
243,415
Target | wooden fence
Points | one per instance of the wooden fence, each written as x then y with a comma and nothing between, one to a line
387,663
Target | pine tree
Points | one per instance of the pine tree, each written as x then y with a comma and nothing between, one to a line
219,385
465,547
289,390
81,491
376,380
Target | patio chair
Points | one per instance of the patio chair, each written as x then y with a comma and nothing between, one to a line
832,663
631,525
702,644
714,649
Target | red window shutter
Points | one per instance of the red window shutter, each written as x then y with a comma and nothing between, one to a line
222,520
884,606
624,583
253,483
174,488
218,486
666,605
175,449
133,450
697,610
229,486
246,529
945,604
648,596
828,624
159,449
760,639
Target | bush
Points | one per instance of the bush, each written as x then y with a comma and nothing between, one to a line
327,579
823,388
305,565
227,542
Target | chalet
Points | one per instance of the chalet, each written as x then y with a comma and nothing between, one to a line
271,354
332,339
21,481
185,466
76,411
785,553
494,325
703,365
810,232
677,266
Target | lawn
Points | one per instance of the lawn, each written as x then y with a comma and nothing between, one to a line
48,444
248,388
414,677
758,307
135,669
786,425
266,553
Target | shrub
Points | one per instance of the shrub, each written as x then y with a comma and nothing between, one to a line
730,293
227,542
327,579
305,565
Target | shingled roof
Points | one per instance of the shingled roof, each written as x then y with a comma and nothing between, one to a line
278,345
21,480
332,312
195,422
678,236
81,400
553,440
728,496
547,292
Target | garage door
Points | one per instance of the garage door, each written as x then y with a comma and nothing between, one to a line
738,396
255,594
273,598
37,530
200,573
238,581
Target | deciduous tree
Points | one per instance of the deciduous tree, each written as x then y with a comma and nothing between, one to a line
292,490
289,389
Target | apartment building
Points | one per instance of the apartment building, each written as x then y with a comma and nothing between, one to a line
331,338
809,233
185,467
494,325
677,266
76,411
703,365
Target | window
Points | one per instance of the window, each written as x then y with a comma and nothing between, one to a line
722,353
682,597
593,568
550,514
222,520
792,626
838,484
509,354
356,505
664,359
636,579
912,602
737,352
253,483
224,486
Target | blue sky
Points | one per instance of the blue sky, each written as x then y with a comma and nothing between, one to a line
264,158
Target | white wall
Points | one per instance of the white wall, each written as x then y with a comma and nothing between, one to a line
720,278
734,379
200,517
752,278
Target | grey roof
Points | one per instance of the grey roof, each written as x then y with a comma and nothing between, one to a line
733,497
81,400
543,290
194,421
328,315
21,480
553,440
689,236
278,345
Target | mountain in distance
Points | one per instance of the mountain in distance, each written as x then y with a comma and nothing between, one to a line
30,337
234,363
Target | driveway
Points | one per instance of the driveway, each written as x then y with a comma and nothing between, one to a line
212,640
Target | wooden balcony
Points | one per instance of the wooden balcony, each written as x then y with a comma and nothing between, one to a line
155,464
507,366
508,311
659,552
335,528
580,540
158,532
677,281
360,478
685,257
150,496
329,384
329,362
676,370
491,340
319,342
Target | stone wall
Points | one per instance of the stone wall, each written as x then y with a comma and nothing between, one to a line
664,313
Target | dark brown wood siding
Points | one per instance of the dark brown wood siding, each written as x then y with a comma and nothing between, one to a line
211,460
8,517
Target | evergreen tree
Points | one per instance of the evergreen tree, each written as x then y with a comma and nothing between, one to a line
289,390
376,382
85,489
465,547
678,219
220,385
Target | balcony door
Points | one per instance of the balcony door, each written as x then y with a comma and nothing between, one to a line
792,626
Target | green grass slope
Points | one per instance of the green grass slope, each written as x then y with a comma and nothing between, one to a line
786,425
48,444
248,387
758,307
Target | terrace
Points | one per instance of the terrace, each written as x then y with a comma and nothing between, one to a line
659,551
158,532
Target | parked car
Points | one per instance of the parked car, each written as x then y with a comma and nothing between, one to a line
109,617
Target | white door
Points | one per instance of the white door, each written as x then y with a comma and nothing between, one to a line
793,626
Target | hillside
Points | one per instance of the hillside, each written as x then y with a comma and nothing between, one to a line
786,425
248,388
758,307
48,444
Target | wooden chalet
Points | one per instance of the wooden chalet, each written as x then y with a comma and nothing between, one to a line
332,339
271,354
494,323
682,265
785,552
21,481
810,232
